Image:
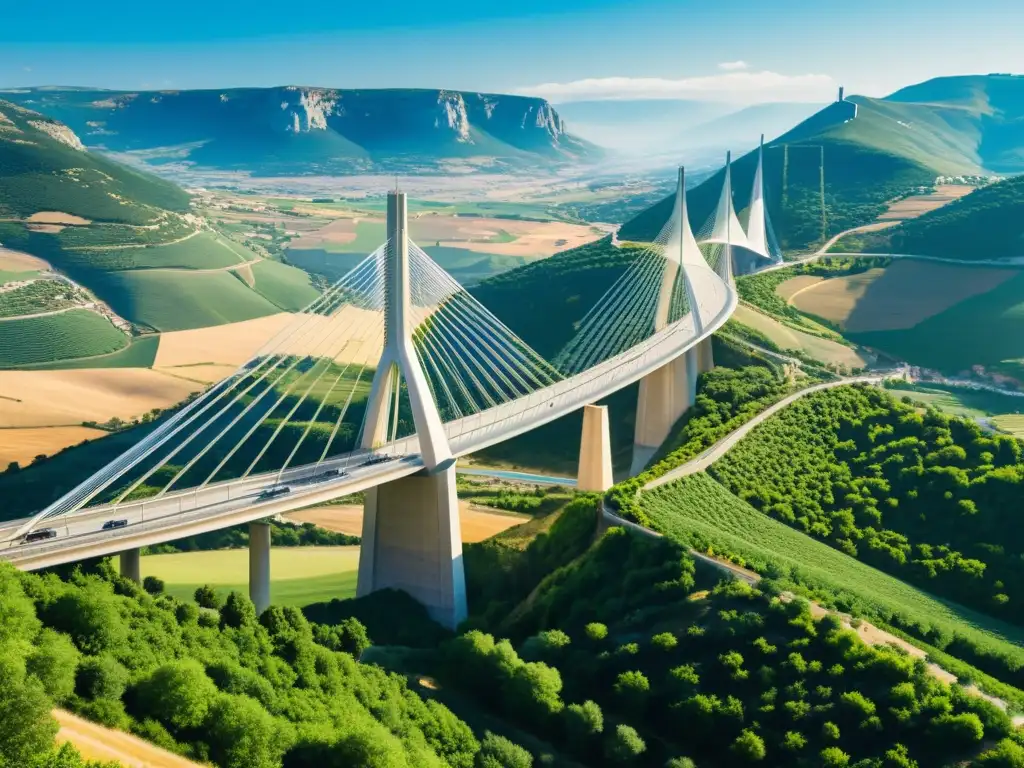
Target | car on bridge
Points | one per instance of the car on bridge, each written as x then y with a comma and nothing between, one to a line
41,535
111,524
376,459
271,493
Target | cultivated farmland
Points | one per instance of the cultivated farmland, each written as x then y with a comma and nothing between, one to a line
23,445
299,575
285,286
182,299
826,350
69,397
75,333
905,293
984,329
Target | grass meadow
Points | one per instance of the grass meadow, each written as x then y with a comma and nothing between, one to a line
299,575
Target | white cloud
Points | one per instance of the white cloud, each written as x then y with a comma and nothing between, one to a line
732,87
733,66
26,69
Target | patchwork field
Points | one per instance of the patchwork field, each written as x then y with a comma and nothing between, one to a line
918,205
299,575
210,353
476,523
43,339
1011,423
900,296
16,261
23,445
788,338
983,329
48,398
1003,411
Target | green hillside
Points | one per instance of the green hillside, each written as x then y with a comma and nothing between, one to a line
986,224
46,168
982,330
543,301
71,334
282,285
867,152
179,300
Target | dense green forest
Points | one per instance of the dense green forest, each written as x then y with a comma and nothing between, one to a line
623,656
929,497
985,224
222,686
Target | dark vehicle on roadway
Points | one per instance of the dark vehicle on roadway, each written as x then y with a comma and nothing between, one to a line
110,524
270,493
377,460
41,535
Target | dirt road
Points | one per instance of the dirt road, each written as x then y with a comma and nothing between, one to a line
98,743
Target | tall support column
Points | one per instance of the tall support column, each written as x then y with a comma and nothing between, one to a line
412,541
411,535
595,469
259,565
705,356
131,565
665,395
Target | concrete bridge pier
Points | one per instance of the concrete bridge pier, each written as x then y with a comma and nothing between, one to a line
665,395
259,565
705,358
595,468
131,565
412,541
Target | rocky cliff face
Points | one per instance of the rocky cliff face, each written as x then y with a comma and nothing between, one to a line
295,129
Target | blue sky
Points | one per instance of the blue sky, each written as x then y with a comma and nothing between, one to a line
735,50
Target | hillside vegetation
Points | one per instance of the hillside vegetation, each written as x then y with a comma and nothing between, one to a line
651,669
893,146
46,168
928,497
542,302
220,686
986,224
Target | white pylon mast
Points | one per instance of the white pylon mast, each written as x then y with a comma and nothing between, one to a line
686,234
399,355
727,193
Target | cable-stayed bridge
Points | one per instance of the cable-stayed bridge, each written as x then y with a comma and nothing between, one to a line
379,385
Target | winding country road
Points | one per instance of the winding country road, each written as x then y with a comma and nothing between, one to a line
716,451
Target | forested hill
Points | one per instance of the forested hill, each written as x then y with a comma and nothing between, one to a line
986,224
657,667
867,152
542,302
928,497
296,129
45,167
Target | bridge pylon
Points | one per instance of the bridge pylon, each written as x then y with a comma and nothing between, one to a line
668,392
411,536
